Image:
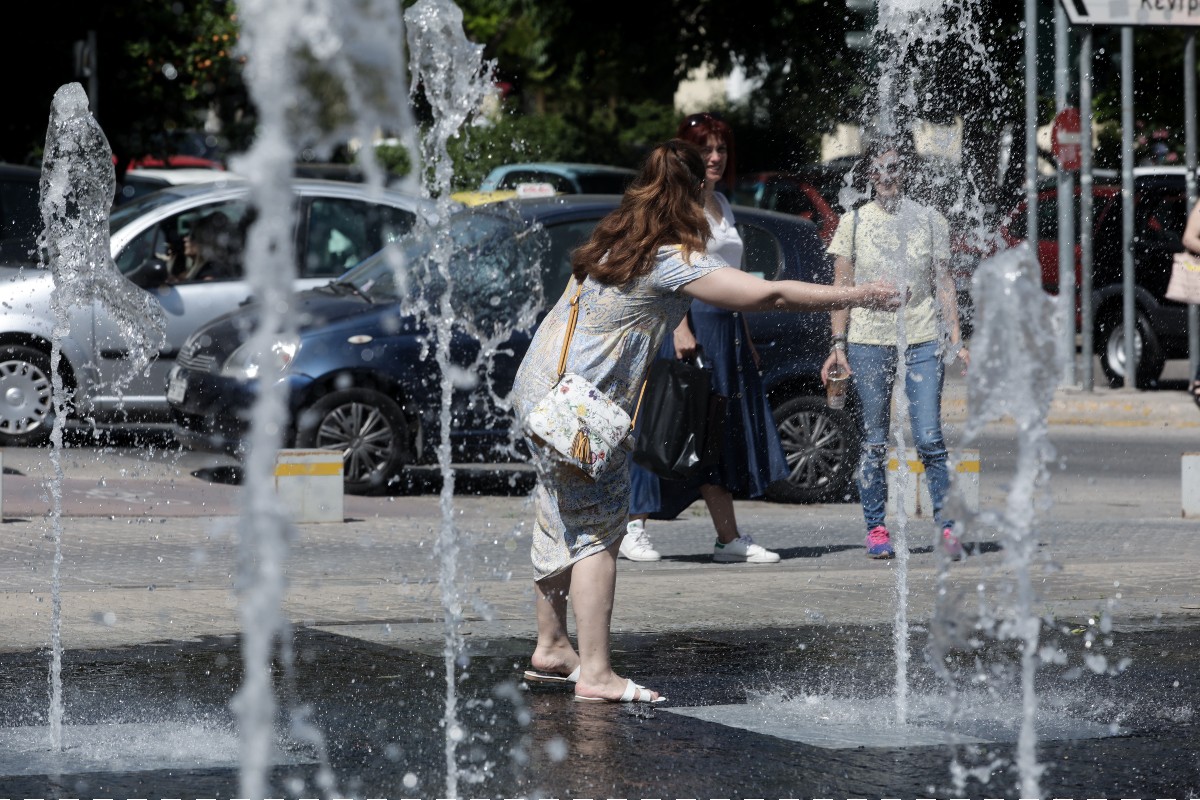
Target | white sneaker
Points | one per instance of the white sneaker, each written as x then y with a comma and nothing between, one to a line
636,544
743,548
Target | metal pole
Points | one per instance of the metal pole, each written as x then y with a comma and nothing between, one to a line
1031,158
93,89
1189,125
1066,203
1129,311
1086,307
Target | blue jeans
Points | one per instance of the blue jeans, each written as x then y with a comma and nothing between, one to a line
873,369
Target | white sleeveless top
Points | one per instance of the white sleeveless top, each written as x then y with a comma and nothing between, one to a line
725,243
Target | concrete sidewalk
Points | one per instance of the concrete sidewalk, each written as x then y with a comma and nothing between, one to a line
135,580
1100,406
158,563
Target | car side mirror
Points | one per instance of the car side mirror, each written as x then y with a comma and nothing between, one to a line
152,274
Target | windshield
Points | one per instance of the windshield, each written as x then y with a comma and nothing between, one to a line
604,182
494,265
128,212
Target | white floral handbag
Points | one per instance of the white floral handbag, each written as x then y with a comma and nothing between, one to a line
578,420
1184,285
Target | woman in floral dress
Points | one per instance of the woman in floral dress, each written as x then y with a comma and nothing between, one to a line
640,270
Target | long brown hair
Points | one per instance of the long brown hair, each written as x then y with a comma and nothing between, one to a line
696,128
662,206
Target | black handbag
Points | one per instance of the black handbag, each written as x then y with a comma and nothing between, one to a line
682,420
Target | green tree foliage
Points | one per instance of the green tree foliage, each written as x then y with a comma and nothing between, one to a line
583,81
160,65
168,65
610,78
511,138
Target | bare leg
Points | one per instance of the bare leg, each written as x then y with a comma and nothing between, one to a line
593,586
720,508
554,652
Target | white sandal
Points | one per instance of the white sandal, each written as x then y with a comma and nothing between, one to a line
538,676
633,694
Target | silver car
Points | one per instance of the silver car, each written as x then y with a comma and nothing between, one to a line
154,240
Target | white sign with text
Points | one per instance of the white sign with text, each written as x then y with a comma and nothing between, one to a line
1133,12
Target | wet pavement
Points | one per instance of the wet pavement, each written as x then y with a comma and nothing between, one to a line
381,710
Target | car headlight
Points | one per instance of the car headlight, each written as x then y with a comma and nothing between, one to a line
248,363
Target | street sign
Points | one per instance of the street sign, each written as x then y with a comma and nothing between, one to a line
1133,12
1065,139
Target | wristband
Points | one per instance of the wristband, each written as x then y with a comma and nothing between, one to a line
839,346
839,337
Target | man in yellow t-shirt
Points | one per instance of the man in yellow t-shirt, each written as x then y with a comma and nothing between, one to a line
897,239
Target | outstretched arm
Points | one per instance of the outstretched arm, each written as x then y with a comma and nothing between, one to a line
1191,234
738,291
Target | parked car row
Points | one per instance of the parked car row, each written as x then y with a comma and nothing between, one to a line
356,381
359,379
339,224
562,177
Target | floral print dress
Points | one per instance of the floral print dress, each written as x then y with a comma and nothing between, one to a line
616,337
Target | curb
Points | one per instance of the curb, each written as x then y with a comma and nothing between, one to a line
1111,407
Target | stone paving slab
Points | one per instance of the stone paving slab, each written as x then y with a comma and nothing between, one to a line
134,580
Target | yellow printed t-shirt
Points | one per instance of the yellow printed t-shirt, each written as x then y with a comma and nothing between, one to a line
902,247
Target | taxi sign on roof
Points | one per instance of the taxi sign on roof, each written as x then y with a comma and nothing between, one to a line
1133,12
543,189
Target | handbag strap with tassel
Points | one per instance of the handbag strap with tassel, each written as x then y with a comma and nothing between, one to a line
572,320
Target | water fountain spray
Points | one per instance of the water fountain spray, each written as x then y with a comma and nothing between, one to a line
910,37
1018,368
451,72
77,189
291,48
1006,377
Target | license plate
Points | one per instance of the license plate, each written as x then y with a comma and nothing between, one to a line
176,388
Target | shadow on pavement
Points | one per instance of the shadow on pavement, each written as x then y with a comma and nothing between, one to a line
501,480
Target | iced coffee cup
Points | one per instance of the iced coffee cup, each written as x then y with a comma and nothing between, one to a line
835,388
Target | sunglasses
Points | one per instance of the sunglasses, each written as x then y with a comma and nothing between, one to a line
697,119
888,169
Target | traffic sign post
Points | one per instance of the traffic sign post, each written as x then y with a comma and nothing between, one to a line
1129,14
1065,140
1148,13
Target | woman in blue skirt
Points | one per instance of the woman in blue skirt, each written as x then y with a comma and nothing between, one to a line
751,454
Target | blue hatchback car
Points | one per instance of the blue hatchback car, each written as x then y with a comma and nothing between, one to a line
361,376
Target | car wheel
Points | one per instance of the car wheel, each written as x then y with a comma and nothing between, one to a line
26,396
1111,337
367,427
821,446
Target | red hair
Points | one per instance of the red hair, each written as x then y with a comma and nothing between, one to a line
662,206
696,128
